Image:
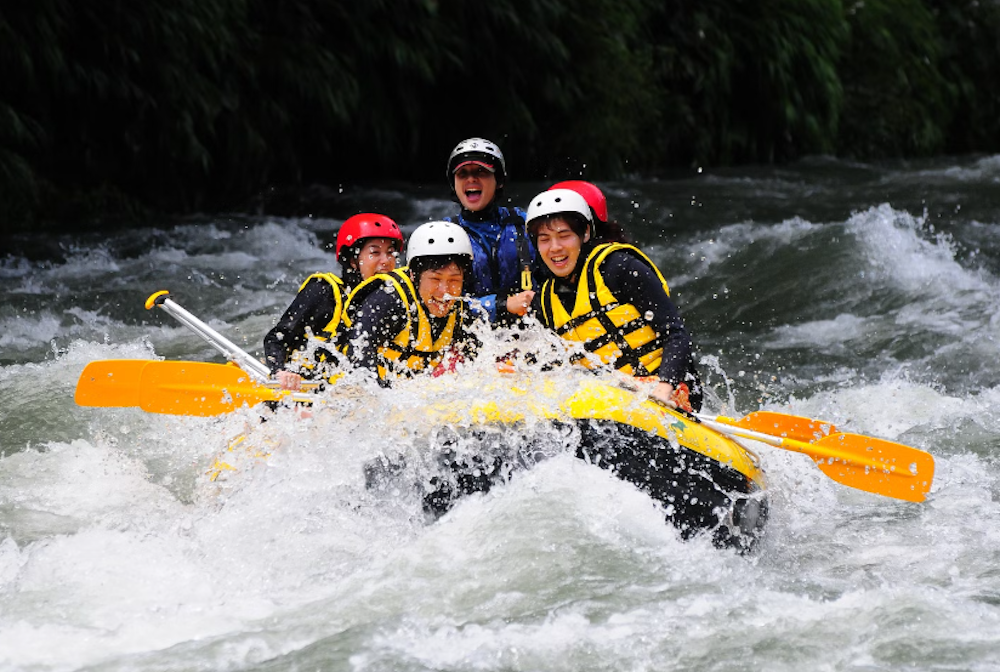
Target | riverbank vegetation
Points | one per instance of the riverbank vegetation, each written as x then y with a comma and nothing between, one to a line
113,109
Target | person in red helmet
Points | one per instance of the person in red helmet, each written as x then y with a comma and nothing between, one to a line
367,244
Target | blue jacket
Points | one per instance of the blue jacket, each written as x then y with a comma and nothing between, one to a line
496,261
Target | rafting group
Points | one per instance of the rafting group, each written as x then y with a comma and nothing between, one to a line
561,266
594,289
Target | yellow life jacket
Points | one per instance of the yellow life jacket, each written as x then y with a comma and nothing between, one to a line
332,328
339,289
413,348
613,331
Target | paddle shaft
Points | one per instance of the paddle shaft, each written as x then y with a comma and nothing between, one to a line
810,449
229,349
786,426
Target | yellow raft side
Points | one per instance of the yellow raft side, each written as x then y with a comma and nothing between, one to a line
597,400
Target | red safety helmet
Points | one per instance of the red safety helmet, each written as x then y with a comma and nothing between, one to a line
594,196
365,225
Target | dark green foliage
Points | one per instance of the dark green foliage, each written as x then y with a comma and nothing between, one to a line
560,85
971,63
748,80
897,100
107,107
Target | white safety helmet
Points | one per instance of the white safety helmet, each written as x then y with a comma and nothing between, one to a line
556,201
438,239
480,151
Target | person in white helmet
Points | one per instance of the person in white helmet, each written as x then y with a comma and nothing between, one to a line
611,299
418,321
503,256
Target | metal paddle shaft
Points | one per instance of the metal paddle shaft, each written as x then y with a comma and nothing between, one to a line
229,349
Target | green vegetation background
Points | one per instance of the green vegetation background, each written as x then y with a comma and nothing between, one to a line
112,109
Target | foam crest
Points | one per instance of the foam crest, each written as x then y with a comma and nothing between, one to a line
708,252
905,250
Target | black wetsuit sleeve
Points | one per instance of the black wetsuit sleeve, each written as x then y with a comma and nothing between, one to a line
311,309
632,281
375,323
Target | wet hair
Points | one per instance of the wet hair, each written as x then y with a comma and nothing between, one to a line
612,232
421,265
351,276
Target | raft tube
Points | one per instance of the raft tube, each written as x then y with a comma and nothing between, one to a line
706,482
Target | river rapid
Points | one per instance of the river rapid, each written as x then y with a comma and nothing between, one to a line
865,295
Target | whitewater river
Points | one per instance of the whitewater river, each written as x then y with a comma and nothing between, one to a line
862,295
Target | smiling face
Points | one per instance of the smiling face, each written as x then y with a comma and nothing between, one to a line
475,186
559,246
377,255
438,288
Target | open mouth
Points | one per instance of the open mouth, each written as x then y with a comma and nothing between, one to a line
442,305
560,261
473,195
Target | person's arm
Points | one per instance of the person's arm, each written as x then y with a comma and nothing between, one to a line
375,323
311,309
632,281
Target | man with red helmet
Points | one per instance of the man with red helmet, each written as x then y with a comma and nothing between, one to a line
366,244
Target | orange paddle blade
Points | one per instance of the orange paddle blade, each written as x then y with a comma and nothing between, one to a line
874,465
862,462
787,426
199,388
110,382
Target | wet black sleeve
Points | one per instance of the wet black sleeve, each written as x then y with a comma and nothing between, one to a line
632,281
377,321
311,309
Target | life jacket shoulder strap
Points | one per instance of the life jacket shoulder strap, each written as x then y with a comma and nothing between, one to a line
398,279
601,252
338,287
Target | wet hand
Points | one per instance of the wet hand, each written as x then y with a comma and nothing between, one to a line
677,398
518,303
289,380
